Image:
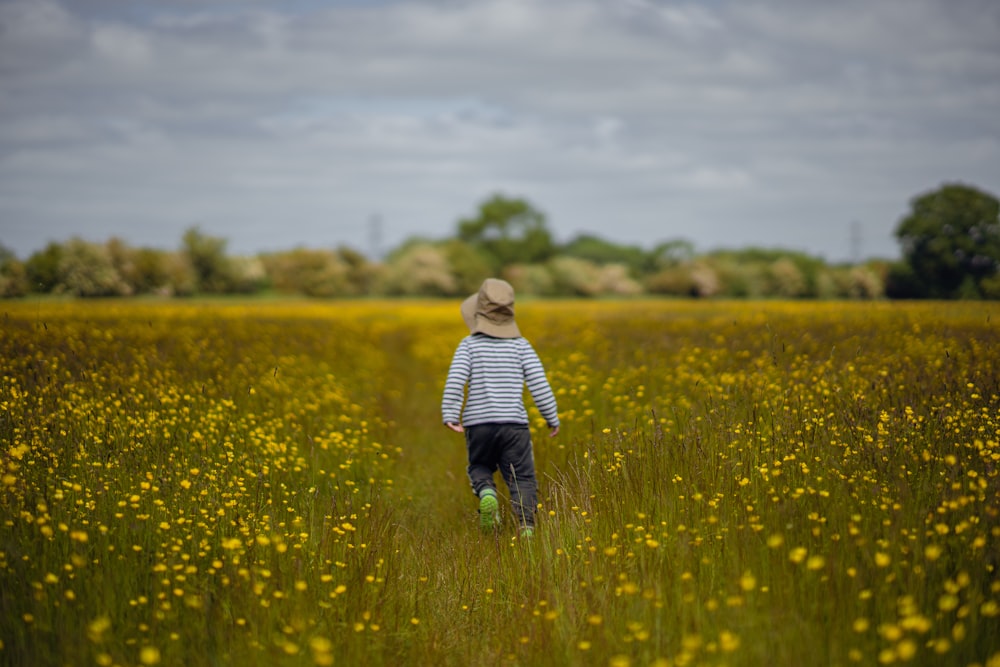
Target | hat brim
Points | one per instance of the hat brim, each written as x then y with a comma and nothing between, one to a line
506,330
469,312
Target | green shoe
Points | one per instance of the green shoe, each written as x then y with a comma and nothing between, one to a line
527,532
489,511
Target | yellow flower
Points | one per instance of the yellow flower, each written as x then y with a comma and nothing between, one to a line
941,645
947,602
906,649
97,628
149,655
728,642
321,644
890,631
816,562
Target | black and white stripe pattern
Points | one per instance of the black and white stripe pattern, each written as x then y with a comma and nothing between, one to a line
496,371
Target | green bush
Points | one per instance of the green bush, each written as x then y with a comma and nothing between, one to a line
87,270
13,276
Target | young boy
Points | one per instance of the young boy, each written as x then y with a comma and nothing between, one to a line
495,362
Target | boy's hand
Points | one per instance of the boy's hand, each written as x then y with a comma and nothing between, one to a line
554,432
457,428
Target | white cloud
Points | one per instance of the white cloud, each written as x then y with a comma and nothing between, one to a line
122,46
764,122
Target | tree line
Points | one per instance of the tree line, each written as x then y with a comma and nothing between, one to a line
950,247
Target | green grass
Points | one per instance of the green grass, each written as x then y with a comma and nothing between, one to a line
270,484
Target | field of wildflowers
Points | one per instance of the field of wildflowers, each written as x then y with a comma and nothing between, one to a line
269,484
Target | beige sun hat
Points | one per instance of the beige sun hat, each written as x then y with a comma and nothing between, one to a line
491,310
469,312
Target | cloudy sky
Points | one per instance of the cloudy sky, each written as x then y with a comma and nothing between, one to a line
777,123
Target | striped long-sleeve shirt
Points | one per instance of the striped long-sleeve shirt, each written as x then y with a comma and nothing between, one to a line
496,371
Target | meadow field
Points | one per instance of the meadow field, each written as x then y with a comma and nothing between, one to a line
735,483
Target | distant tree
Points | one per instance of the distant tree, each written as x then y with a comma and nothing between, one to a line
693,278
867,282
469,266
312,272
786,279
706,280
572,276
616,280
149,270
951,244
508,231
181,278
121,255
991,287
142,269
737,277
207,256
42,268
901,282
13,276
533,279
360,272
672,281
246,275
421,269
764,272
600,251
670,254
86,269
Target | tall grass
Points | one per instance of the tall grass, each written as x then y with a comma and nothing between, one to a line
270,484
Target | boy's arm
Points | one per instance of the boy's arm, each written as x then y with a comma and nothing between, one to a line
541,392
454,388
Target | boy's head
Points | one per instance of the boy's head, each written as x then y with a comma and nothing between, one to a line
491,310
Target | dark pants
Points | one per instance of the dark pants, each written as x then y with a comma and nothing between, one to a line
507,448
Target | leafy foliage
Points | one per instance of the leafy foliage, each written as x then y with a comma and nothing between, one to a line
43,268
207,255
601,251
317,272
508,231
13,277
951,241
422,269
86,269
